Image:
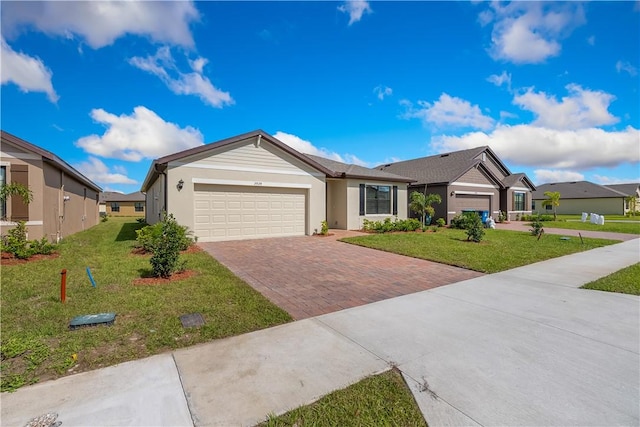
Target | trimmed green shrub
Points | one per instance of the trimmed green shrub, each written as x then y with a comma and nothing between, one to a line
147,237
440,222
16,243
167,246
387,225
324,228
536,226
475,228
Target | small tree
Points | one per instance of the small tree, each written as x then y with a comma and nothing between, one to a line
16,189
552,199
474,228
421,204
632,202
166,248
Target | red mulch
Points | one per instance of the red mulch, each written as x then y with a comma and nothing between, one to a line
152,281
9,259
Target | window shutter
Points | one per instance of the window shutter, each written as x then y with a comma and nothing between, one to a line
19,209
395,200
362,191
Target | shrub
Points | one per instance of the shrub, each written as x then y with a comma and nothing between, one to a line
147,237
42,247
441,222
324,228
502,216
536,226
387,225
16,241
104,218
537,217
166,248
475,228
460,221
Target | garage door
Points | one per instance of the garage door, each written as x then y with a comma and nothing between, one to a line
473,202
237,212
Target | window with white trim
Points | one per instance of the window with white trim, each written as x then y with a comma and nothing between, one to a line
378,199
519,201
139,206
115,207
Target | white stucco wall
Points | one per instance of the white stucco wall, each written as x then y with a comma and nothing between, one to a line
354,219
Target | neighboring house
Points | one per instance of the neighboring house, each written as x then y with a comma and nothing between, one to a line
64,200
253,185
119,204
584,196
468,180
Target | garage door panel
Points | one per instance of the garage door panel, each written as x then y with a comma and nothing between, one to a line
473,202
228,212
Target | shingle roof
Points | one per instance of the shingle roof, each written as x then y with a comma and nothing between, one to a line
340,169
441,168
49,157
113,196
513,179
576,190
626,189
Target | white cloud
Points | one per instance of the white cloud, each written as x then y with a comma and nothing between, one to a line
28,73
607,180
382,91
591,40
97,171
530,32
626,66
503,79
164,66
448,111
141,135
100,23
543,176
552,148
307,147
582,108
355,9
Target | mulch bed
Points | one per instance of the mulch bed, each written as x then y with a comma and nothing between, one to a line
9,259
190,250
153,281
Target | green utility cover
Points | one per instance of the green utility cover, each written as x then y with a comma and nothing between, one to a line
92,320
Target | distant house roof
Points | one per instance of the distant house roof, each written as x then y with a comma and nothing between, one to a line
114,196
50,158
577,190
626,189
344,170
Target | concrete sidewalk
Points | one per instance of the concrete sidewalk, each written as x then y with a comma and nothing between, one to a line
521,347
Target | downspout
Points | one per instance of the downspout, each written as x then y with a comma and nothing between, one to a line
163,172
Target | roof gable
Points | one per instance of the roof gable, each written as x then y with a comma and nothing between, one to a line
344,170
632,189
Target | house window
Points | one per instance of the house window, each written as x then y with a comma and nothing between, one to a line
519,201
548,207
3,181
378,199
115,207
139,207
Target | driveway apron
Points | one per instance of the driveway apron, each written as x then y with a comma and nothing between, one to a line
313,275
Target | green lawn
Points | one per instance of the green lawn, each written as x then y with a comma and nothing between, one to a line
612,217
614,227
626,281
381,400
37,344
499,250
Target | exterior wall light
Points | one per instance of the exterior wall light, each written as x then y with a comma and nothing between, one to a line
180,185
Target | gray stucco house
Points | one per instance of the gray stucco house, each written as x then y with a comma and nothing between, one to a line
474,179
584,196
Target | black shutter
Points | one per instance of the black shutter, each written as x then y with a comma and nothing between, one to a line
395,200
362,193
19,209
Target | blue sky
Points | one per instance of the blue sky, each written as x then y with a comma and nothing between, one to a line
552,88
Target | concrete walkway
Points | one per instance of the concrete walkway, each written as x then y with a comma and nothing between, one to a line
525,227
521,347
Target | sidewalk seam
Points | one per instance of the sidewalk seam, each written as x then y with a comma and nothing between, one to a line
184,392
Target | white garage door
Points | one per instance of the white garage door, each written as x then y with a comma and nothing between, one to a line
237,212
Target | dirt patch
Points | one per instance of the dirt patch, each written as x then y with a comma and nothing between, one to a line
152,281
9,259
190,250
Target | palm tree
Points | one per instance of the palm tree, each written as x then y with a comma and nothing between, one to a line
421,204
553,199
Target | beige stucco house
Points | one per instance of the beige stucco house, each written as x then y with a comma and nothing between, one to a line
584,196
253,186
468,180
64,200
118,204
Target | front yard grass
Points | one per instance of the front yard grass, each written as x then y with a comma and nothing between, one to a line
381,400
625,281
37,344
499,250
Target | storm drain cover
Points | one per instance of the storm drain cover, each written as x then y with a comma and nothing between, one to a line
92,320
192,320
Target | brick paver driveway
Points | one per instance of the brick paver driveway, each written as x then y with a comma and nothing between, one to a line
309,276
